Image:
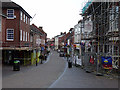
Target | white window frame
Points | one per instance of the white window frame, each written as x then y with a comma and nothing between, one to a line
7,14
26,36
29,21
7,35
21,34
21,15
24,18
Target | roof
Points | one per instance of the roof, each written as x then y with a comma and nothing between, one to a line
11,5
35,29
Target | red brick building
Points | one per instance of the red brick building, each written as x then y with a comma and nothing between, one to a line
15,32
16,27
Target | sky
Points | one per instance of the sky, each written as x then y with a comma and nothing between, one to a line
54,16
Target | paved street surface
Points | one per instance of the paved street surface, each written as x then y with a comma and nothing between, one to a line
55,74
77,78
41,76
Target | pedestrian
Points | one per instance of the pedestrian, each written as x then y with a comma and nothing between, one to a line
41,57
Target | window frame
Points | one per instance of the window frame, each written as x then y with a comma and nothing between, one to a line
21,35
21,15
26,37
26,20
13,14
7,35
24,17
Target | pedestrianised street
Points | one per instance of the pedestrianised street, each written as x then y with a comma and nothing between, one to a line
60,44
54,73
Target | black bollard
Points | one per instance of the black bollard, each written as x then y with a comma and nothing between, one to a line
36,62
41,61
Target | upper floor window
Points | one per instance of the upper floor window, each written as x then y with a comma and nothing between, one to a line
10,13
10,34
26,20
21,15
24,17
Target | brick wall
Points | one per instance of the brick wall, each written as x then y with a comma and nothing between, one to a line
17,25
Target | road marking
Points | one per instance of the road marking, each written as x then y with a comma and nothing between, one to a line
48,59
51,86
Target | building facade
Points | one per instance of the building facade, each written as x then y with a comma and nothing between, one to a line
103,38
15,33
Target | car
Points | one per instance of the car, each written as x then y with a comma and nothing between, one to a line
61,54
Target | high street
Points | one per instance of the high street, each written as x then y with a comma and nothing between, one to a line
55,74
41,76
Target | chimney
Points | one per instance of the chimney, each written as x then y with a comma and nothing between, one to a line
41,27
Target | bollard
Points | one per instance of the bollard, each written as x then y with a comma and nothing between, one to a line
41,61
36,62
69,64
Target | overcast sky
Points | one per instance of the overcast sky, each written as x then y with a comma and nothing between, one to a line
54,16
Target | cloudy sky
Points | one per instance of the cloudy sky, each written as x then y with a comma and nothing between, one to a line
54,16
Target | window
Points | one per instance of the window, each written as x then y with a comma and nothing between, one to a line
20,35
28,21
21,15
26,36
10,13
0,25
24,17
23,35
10,34
31,38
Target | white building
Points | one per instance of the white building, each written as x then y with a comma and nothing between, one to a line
78,30
56,42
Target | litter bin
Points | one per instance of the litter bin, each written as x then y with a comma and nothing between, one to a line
69,64
16,65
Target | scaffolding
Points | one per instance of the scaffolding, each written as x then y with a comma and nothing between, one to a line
105,34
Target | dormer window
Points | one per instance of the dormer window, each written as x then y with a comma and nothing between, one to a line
10,13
